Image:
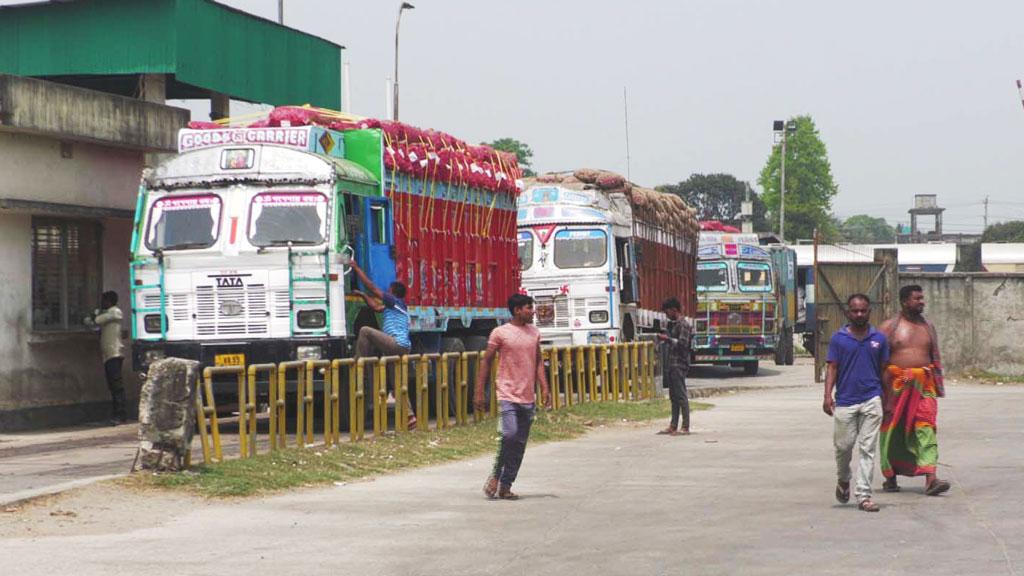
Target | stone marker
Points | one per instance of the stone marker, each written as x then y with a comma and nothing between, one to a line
167,414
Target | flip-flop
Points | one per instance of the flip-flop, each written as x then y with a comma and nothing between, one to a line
936,487
842,494
868,506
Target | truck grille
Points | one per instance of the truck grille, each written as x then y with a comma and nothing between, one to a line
231,311
552,312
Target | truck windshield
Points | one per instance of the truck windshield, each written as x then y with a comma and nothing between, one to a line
525,250
181,222
581,248
277,218
712,277
754,277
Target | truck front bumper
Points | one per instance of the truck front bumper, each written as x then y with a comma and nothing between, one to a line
254,351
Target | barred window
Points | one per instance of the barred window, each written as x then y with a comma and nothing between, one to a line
66,272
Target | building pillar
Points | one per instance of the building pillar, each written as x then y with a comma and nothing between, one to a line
153,88
220,106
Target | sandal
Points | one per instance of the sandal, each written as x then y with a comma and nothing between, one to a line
936,487
491,487
507,494
668,431
890,485
868,506
842,494
411,423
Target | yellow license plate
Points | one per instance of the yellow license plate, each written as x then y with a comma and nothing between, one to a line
737,348
229,360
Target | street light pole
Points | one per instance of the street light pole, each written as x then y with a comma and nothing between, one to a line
398,22
782,191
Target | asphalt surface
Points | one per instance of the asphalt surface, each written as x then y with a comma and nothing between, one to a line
749,493
47,462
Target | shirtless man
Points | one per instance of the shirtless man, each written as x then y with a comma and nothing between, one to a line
911,386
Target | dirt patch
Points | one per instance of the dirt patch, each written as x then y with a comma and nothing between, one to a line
103,508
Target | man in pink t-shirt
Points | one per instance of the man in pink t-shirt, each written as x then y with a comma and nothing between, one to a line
520,369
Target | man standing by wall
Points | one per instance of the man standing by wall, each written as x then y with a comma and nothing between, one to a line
857,355
521,367
677,365
913,385
108,318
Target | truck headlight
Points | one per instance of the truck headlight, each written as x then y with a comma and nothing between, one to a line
308,353
598,316
151,323
312,319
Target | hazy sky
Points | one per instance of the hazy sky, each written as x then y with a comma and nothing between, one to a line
910,96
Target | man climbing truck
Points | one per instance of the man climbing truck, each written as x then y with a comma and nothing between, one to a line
599,255
745,302
241,241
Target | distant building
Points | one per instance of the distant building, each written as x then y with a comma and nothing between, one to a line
927,205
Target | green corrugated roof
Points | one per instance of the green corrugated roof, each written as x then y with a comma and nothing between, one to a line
201,44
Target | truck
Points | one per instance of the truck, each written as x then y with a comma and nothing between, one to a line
242,240
746,301
599,255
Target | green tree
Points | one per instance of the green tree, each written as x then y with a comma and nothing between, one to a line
864,229
522,151
809,184
719,197
1012,231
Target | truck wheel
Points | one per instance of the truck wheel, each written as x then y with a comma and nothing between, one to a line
780,353
789,352
750,368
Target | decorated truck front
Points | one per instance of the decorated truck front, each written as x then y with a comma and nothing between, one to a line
242,240
599,256
737,302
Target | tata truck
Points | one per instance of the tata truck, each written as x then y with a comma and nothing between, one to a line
242,240
746,302
599,256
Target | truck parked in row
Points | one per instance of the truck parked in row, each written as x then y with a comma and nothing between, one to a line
600,255
241,241
746,301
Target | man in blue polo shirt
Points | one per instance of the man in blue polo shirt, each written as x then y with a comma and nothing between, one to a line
857,355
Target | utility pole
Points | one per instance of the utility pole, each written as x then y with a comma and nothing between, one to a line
986,214
280,12
625,105
783,128
398,22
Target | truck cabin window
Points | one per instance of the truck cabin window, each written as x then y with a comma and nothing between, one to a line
754,277
581,248
277,218
182,222
525,250
712,277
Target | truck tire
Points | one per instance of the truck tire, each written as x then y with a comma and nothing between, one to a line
750,368
790,351
780,352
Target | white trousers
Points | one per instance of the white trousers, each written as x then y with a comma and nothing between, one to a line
857,426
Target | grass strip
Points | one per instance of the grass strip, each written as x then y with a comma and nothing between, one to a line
290,468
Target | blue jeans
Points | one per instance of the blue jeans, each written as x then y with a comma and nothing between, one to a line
514,423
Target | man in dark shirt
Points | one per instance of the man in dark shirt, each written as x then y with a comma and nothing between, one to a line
677,363
857,355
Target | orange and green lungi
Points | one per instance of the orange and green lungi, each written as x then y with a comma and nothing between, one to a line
909,446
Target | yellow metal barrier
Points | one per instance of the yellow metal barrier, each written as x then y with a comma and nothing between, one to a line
299,369
380,395
462,387
335,429
307,402
423,364
551,355
247,407
206,412
357,397
567,376
402,402
448,381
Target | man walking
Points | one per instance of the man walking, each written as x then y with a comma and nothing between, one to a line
913,384
857,355
394,339
520,369
108,317
677,365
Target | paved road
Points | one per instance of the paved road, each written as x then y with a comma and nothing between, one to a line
33,464
749,493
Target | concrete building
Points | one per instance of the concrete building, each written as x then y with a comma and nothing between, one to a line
72,150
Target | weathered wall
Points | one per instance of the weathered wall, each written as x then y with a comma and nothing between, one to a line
35,169
979,317
53,379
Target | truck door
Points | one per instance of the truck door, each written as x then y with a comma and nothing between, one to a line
375,246
627,269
